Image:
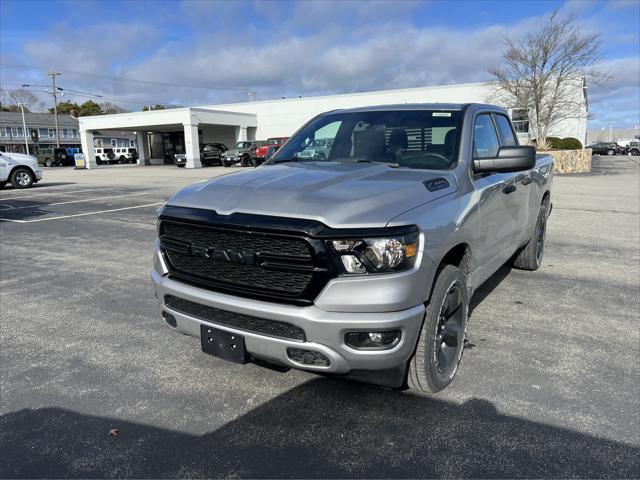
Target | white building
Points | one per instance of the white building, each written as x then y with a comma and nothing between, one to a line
229,123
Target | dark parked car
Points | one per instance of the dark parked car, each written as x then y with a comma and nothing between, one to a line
606,148
210,154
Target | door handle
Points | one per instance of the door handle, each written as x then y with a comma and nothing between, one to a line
509,189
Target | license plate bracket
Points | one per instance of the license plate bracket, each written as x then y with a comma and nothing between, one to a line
222,344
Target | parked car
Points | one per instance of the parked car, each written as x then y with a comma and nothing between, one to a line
57,157
210,154
633,148
317,149
261,152
19,169
244,154
105,155
126,154
606,148
363,265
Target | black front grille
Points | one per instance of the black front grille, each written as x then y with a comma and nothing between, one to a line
242,262
263,326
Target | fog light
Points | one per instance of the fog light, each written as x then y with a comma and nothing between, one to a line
373,340
169,319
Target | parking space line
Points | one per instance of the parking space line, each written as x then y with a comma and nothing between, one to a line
74,201
55,192
78,214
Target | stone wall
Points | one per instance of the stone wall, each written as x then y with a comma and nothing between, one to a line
571,161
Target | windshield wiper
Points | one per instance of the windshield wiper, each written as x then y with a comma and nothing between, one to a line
388,164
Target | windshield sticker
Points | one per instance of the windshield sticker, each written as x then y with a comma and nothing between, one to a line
441,114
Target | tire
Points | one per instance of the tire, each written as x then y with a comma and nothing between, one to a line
635,153
254,162
3,184
246,161
610,152
530,256
181,166
48,162
22,178
98,161
122,160
441,340
226,164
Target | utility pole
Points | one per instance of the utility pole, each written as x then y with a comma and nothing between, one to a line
53,74
24,128
610,128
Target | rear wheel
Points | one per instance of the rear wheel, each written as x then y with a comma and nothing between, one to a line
530,257
98,161
441,341
610,152
48,162
21,178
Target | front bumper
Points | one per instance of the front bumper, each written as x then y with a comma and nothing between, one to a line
325,331
38,173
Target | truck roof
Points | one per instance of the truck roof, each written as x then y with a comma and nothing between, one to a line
413,106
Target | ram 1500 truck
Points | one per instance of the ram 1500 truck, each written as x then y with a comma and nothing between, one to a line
361,264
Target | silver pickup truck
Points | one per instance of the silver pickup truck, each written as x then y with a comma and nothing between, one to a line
361,264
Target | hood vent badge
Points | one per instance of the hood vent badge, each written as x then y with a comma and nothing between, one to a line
436,184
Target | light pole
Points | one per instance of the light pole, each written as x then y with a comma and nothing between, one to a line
24,128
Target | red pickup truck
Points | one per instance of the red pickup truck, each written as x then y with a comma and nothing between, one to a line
261,152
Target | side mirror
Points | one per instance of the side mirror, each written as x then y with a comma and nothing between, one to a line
509,159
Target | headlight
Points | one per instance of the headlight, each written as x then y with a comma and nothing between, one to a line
375,255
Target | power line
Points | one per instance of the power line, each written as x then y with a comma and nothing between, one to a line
80,93
127,79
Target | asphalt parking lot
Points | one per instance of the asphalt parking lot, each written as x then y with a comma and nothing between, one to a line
93,384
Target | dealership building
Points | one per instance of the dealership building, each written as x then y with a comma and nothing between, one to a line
162,133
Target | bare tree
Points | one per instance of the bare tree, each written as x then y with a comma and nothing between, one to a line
109,108
25,97
540,72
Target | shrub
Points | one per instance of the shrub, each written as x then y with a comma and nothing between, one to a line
555,142
571,143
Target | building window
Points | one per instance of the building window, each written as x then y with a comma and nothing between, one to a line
114,142
75,133
4,132
132,143
52,133
520,120
43,133
64,133
17,132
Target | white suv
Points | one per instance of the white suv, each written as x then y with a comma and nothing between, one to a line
19,169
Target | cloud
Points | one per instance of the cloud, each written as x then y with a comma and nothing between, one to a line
280,49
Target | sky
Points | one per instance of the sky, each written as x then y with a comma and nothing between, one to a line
136,52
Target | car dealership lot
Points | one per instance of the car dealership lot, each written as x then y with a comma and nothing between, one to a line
548,385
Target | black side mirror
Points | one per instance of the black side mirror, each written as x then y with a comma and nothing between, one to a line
509,159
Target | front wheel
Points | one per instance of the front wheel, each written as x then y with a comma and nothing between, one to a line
21,178
441,341
610,152
98,161
3,184
530,257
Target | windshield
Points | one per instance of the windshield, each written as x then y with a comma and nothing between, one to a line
243,144
425,139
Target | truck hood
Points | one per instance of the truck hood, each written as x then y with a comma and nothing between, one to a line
338,195
21,159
